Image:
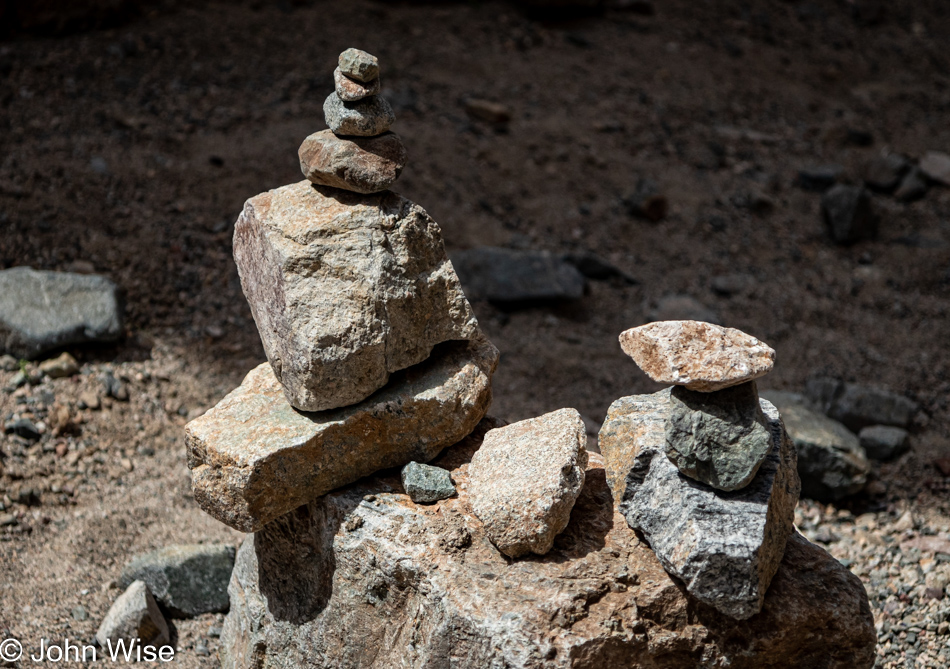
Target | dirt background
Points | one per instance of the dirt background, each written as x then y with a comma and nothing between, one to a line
131,149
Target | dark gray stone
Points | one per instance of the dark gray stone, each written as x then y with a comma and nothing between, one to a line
720,438
41,311
858,406
426,484
831,463
593,267
24,427
724,546
883,442
884,172
819,178
509,276
364,118
912,187
848,215
187,580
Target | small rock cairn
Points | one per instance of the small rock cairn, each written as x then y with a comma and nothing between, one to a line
704,469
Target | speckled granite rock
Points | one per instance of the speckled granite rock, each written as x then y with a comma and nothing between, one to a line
41,311
187,580
426,484
254,458
345,289
134,615
724,546
358,164
359,65
698,355
364,118
363,578
525,478
719,438
351,90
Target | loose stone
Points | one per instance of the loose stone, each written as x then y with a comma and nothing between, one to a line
426,484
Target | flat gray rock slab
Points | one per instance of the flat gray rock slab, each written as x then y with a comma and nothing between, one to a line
41,310
365,578
525,478
253,457
187,580
719,438
510,276
345,289
724,546
134,615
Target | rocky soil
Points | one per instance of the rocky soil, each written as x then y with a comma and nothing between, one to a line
130,152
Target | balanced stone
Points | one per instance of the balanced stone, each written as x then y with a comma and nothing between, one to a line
134,615
358,164
525,478
719,438
351,90
364,118
426,484
254,458
187,580
363,577
345,289
698,355
724,546
41,311
359,65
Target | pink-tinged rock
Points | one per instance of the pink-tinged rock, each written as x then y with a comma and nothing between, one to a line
525,478
358,164
698,355
351,90
345,289
253,457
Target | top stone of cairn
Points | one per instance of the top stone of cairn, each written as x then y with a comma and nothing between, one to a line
700,356
359,65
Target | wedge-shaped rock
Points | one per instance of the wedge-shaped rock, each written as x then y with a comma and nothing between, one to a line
698,355
345,289
358,164
525,478
134,615
363,578
254,457
725,546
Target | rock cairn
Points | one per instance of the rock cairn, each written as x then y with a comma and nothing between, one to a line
704,469
374,355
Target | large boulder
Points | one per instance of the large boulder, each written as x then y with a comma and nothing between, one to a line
41,311
363,578
187,580
345,289
254,457
724,546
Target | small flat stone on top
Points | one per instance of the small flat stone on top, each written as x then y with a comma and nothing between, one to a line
351,90
363,118
426,484
359,65
698,355
525,478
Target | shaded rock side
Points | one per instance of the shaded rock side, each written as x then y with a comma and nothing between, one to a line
254,457
698,355
358,164
345,289
832,464
724,546
363,578
524,480
134,615
41,311
719,438
187,580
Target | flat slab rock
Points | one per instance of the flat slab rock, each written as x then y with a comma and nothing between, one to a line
364,578
698,355
358,164
345,289
41,311
525,478
724,546
253,457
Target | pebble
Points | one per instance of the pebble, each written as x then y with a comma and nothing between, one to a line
848,215
426,484
8,363
882,442
79,613
884,172
935,165
646,201
912,187
359,65
60,367
489,112
364,118
819,178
